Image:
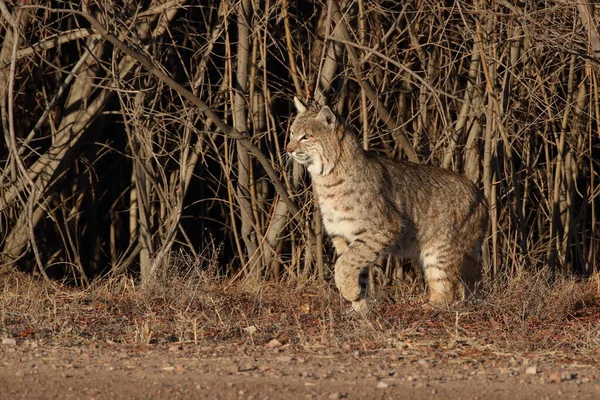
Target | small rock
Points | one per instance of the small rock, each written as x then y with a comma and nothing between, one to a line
335,396
382,385
9,342
273,344
423,363
554,377
284,359
531,370
567,376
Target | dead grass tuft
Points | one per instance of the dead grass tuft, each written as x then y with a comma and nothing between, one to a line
537,296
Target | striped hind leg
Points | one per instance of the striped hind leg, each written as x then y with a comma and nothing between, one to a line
442,270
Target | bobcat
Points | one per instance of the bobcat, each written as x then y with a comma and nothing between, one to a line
372,205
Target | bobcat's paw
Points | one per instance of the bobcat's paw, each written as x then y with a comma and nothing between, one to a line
361,307
432,307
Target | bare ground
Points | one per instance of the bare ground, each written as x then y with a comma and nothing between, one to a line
526,339
106,371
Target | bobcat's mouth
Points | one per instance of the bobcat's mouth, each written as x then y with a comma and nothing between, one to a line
302,158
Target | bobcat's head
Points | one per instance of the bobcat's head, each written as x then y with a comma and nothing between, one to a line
315,138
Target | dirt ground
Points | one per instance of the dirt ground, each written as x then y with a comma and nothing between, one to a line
180,371
523,339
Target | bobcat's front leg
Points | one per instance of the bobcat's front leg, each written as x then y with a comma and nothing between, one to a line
350,271
340,244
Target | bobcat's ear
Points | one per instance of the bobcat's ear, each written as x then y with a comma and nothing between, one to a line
327,116
300,107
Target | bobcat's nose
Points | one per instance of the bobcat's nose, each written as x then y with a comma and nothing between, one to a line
291,147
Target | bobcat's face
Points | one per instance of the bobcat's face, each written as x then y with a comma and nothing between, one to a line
314,139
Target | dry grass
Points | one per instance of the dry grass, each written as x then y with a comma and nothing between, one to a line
527,313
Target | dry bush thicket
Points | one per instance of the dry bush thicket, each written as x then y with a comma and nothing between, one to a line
136,133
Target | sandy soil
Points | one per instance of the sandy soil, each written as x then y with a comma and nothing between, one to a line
32,369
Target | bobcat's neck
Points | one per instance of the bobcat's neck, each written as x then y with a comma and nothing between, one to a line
351,158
